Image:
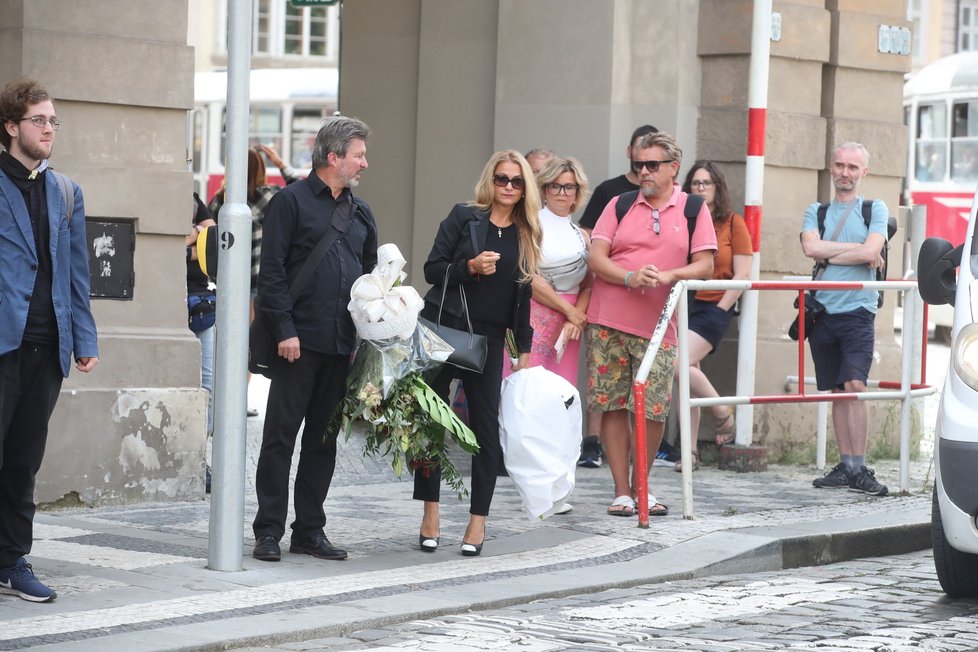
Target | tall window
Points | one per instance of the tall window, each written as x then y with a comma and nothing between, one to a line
281,30
968,25
261,30
916,16
305,31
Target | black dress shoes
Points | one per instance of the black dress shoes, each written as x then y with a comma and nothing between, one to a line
266,549
319,546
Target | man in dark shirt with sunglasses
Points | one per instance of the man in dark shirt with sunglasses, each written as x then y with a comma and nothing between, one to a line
608,190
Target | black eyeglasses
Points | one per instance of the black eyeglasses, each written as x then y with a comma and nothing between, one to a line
41,121
707,183
502,181
651,166
567,188
654,223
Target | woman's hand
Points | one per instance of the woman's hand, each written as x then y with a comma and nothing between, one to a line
273,156
576,317
571,332
523,362
484,263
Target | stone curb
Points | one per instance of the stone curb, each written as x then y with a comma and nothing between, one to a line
745,550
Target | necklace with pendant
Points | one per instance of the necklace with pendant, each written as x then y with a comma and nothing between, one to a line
499,231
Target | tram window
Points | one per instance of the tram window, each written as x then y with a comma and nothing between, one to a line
931,161
964,160
306,122
264,128
931,149
198,141
965,119
931,121
964,141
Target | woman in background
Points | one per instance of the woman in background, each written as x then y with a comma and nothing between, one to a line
711,312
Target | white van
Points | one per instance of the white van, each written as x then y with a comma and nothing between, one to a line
947,275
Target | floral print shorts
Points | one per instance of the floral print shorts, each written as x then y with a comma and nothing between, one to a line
613,359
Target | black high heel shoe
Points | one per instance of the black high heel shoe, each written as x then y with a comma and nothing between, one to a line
473,549
428,544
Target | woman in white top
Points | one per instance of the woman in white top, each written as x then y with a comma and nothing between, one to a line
562,289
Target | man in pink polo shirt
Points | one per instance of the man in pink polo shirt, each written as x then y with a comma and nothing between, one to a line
636,262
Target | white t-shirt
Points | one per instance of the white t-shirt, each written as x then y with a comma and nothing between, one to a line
563,254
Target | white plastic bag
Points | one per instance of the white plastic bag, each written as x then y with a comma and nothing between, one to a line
540,432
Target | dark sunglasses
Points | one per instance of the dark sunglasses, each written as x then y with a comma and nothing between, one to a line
502,181
651,166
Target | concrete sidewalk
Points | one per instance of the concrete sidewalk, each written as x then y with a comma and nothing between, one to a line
134,578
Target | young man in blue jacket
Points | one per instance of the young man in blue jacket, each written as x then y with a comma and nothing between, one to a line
45,315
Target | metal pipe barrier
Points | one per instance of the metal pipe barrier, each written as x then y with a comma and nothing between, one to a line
903,391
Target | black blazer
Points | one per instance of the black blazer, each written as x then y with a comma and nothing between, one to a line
454,246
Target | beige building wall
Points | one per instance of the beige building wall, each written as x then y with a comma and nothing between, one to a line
122,78
827,84
444,83
462,78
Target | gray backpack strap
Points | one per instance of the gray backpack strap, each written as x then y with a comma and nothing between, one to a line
67,190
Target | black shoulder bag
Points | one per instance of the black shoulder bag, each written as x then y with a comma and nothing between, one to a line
471,348
262,342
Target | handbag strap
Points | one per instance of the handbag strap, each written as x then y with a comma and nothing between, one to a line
476,249
465,304
341,216
820,267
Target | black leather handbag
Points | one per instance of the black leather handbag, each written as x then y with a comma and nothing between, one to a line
471,348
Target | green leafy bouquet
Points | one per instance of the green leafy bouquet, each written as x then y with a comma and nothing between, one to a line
399,414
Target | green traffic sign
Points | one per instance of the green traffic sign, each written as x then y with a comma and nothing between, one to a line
312,3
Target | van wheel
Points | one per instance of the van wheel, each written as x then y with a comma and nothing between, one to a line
957,571
942,334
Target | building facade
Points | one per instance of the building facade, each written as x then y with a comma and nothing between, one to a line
443,83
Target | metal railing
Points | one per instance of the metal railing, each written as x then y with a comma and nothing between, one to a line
903,391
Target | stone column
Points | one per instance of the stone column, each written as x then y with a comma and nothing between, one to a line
121,76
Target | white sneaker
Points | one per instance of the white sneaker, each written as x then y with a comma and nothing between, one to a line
563,509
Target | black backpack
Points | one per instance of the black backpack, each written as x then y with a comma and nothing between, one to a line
693,205
891,229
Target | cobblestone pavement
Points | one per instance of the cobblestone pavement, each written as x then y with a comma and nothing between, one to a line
888,604
134,578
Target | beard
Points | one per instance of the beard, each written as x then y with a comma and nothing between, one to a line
35,151
845,184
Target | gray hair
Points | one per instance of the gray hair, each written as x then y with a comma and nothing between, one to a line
666,141
335,137
851,144
541,151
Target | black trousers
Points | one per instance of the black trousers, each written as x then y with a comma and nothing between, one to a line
482,393
309,388
30,382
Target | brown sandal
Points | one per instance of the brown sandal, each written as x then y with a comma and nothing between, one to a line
726,430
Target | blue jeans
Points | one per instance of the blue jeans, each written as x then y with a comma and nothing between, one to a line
206,338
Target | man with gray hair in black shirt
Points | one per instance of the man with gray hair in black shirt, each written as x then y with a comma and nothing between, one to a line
315,333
